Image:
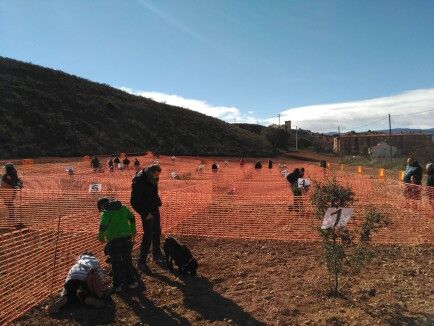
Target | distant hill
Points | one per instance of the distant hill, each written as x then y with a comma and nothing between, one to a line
45,112
395,131
306,139
255,128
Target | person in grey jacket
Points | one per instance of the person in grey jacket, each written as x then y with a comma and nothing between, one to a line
76,286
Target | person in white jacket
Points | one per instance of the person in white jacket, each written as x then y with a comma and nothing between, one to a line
76,283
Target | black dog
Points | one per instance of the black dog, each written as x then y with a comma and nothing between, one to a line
182,256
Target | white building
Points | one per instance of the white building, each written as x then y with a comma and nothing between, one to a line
382,150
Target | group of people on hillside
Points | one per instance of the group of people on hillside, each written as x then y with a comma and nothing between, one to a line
117,229
114,163
258,165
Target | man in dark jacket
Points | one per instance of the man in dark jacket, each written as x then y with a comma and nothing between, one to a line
146,202
293,181
413,179
258,165
430,183
126,162
95,164
270,164
116,162
10,183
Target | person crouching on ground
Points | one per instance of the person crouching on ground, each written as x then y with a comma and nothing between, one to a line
146,202
296,190
117,227
84,283
9,185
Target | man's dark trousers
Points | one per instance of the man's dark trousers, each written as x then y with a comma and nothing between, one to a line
151,234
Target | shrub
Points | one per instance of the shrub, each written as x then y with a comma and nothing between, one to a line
344,251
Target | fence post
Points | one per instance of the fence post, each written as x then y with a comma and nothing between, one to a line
401,175
55,252
20,207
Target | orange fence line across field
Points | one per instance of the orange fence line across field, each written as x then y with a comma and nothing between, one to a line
59,220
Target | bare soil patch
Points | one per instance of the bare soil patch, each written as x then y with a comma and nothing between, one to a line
268,282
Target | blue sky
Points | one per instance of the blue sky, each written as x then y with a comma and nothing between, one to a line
243,60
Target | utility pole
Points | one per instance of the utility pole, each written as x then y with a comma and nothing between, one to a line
339,143
390,140
279,118
296,138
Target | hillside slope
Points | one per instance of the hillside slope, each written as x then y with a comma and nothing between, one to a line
50,113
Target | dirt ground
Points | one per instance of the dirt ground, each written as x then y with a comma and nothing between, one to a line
266,282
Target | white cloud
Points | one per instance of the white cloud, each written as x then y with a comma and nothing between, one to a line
405,109
226,113
366,114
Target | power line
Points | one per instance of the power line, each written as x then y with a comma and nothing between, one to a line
409,114
365,125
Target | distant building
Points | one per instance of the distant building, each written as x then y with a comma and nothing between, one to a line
382,150
354,143
288,125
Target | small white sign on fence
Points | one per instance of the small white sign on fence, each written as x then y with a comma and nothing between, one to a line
336,217
95,187
303,183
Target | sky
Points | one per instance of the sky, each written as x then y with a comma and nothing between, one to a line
321,64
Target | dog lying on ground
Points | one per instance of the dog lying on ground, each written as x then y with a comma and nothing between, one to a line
178,252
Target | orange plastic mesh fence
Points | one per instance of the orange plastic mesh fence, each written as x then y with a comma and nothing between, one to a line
59,219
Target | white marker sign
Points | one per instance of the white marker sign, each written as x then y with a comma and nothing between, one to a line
303,183
95,187
336,217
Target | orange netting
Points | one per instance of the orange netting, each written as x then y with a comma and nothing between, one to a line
59,219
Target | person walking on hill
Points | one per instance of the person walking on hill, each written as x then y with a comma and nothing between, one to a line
136,165
95,164
10,184
146,201
258,165
214,167
118,227
270,164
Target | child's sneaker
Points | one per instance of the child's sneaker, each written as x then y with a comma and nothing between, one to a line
94,302
133,285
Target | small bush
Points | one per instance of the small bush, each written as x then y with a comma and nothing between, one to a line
344,251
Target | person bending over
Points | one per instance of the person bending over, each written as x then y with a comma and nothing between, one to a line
84,283
118,227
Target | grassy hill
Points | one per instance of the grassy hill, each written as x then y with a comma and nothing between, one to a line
45,112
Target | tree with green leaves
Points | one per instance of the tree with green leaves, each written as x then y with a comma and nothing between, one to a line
345,251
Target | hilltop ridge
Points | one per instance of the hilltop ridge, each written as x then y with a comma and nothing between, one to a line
46,112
